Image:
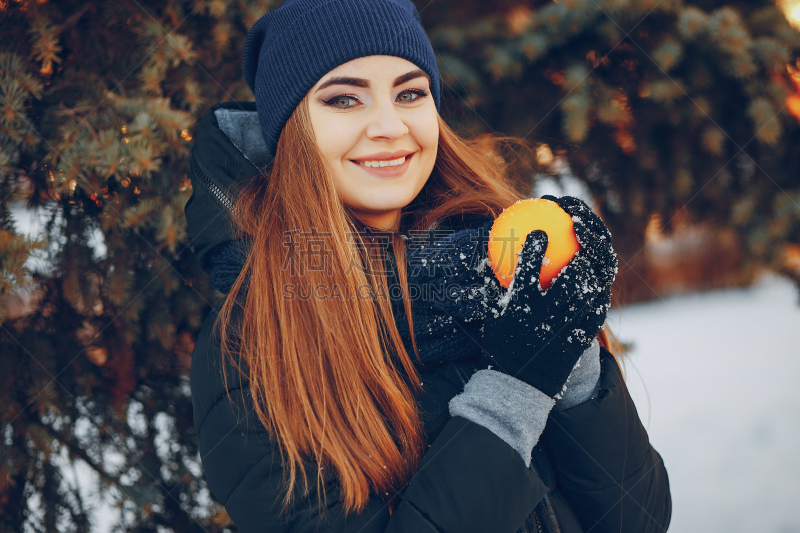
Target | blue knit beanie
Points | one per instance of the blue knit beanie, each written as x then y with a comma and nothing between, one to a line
291,48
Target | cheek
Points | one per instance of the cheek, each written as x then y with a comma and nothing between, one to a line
335,138
424,126
429,138
426,134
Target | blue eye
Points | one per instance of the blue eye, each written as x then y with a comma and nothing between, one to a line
411,95
342,101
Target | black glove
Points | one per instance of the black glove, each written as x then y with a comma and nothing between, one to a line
538,336
593,236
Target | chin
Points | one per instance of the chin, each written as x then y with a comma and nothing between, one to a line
386,199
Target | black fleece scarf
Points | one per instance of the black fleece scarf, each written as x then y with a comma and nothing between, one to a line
446,278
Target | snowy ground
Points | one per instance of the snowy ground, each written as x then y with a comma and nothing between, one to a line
715,380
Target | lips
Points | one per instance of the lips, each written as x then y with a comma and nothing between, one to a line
383,158
385,168
382,163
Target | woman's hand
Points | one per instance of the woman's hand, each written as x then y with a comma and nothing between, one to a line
537,336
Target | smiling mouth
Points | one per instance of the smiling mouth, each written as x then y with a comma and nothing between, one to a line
383,164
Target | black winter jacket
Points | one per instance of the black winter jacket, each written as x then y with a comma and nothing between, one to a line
593,469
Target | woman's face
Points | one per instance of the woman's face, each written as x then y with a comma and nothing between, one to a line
376,126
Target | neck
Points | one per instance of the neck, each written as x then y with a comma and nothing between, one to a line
387,221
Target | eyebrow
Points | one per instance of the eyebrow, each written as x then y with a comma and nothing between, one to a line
361,82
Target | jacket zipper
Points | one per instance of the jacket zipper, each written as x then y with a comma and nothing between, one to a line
221,197
551,514
539,528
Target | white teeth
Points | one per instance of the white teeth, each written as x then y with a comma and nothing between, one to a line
376,164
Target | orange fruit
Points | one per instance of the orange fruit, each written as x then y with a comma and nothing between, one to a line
512,227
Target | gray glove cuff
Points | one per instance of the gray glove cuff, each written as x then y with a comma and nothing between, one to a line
582,381
511,409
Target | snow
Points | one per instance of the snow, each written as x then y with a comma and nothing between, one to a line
563,183
714,377
31,223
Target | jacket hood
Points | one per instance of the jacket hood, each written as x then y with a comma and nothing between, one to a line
228,149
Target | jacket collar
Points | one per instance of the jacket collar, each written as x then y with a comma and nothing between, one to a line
228,149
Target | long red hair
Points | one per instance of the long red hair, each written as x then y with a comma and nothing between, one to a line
325,374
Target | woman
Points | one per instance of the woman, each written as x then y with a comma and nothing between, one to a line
341,214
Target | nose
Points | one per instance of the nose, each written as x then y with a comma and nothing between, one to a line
385,123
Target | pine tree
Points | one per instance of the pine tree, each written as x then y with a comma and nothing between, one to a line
668,110
97,106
